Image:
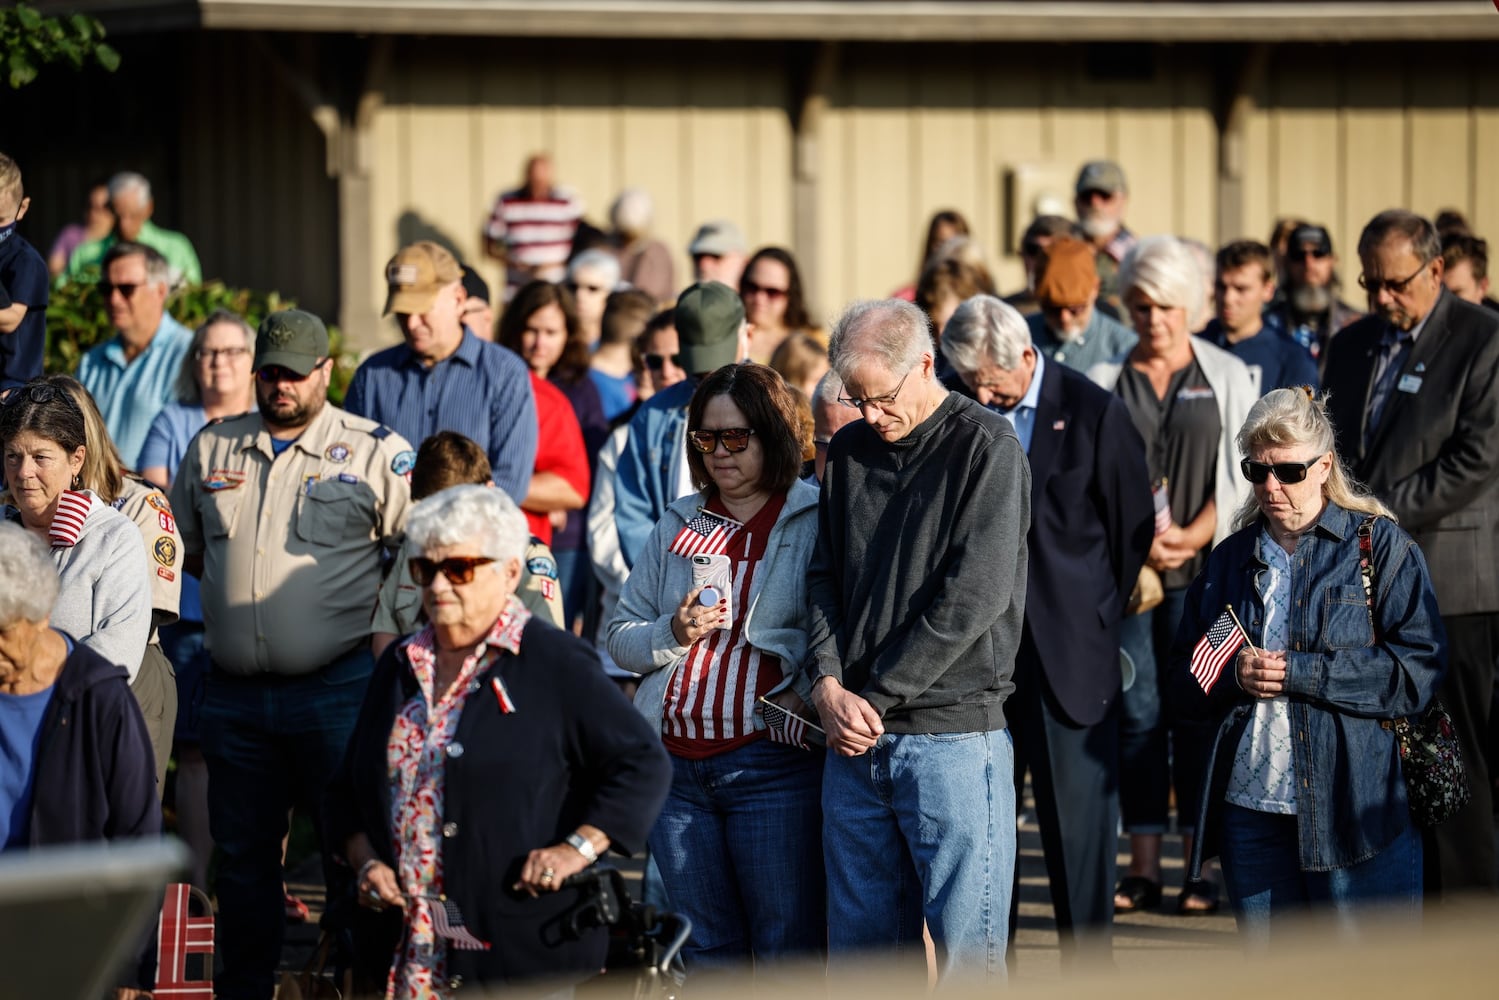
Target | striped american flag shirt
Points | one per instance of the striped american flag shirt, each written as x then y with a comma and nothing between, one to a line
537,232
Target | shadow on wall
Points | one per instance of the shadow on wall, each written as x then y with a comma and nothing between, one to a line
412,227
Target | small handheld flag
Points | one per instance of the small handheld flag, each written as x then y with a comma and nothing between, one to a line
1224,638
1162,497
447,923
707,534
785,726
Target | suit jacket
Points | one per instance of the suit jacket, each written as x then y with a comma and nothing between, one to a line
1435,457
1091,527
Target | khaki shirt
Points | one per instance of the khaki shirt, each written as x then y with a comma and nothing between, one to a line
400,612
147,506
291,544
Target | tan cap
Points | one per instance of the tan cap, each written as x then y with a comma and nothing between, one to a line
416,275
1068,275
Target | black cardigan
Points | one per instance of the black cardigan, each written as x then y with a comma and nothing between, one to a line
574,751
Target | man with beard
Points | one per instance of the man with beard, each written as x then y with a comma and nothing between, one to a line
1312,312
1070,328
283,515
1101,200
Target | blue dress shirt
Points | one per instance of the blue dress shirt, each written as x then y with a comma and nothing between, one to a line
481,390
1023,415
131,393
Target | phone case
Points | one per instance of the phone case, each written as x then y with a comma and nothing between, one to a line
715,571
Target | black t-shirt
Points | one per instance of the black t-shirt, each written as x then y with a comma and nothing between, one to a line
24,274
1181,435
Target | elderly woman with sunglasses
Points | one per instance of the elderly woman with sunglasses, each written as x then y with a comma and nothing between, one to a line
715,615
1304,800
492,759
104,597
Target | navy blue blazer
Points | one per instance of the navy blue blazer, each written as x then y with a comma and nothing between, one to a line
1092,522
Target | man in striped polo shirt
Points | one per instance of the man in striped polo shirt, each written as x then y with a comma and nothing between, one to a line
531,228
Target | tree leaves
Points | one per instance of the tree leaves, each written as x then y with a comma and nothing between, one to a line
29,41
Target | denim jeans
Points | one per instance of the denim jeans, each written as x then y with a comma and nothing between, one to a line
739,846
922,826
1265,881
182,641
271,743
1155,752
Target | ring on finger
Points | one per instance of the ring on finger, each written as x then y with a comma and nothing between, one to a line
692,622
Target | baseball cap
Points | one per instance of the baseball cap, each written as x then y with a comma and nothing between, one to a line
1101,175
1070,275
716,238
1310,235
708,316
475,286
292,339
416,275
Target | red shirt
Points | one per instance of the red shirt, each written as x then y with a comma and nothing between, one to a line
559,447
710,702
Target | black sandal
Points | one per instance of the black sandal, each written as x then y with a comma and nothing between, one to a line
1198,888
1142,893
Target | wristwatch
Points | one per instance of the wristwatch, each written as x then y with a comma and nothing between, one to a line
583,846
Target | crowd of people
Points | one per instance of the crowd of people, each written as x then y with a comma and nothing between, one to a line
1106,533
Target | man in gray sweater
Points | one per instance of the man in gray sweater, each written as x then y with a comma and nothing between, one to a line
918,594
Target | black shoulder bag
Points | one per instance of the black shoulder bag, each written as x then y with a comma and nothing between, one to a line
1436,783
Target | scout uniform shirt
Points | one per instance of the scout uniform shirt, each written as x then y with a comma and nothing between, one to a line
147,506
291,543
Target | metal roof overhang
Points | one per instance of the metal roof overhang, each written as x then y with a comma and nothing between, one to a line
830,20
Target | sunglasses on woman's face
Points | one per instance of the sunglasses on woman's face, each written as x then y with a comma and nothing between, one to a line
734,439
1286,473
458,569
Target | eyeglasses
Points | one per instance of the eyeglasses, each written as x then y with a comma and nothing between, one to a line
735,439
656,362
41,393
751,289
458,569
276,373
1286,473
211,355
1316,253
853,402
127,290
1376,285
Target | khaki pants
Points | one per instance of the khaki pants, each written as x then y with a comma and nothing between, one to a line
155,690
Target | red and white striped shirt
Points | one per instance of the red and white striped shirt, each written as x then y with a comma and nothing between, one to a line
710,702
537,232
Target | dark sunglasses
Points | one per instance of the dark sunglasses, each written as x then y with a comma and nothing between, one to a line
656,362
1315,253
458,569
42,393
275,373
735,439
750,288
127,290
1399,286
1031,249
1286,473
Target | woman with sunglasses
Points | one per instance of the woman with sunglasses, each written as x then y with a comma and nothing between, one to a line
492,759
774,302
1303,797
715,616
1186,398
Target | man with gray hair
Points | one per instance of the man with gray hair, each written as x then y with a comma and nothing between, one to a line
1091,527
918,596
828,417
130,200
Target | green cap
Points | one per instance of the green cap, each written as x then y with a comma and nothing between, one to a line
708,316
292,339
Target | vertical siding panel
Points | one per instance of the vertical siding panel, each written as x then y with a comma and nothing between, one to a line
1260,211
881,213
1015,131
1305,129
1485,217
1196,157
948,167
718,145
832,282
582,145
1439,98
436,206
770,157
653,149
1374,172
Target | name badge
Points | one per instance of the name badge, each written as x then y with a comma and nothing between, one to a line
1409,383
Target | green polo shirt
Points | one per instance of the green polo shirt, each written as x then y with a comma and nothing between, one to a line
176,248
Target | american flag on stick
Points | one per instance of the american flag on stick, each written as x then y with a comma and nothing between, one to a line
787,727
1223,639
1162,497
707,534
447,923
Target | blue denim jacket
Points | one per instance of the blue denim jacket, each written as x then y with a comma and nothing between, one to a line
1350,793
650,467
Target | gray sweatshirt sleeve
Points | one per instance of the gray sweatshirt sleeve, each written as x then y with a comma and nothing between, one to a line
986,574
122,599
640,636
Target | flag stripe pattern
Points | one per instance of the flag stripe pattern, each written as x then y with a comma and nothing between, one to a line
447,923
67,524
179,935
1215,649
1162,498
784,726
704,535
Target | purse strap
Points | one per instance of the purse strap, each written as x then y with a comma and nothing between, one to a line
1366,566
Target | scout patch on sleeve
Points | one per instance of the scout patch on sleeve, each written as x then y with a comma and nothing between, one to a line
167,522
165,574
223,479
542,566
165,550
403,463
159,503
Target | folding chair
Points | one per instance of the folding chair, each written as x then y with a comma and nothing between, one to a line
181,934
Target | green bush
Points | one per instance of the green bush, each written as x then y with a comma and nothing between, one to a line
78,320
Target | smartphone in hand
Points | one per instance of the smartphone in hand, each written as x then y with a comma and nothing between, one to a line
714,573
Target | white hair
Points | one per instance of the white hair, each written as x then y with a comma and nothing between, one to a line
1166,270
470,513
632,212
28,578
889,332
596,260
130,182
828,389
984,330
